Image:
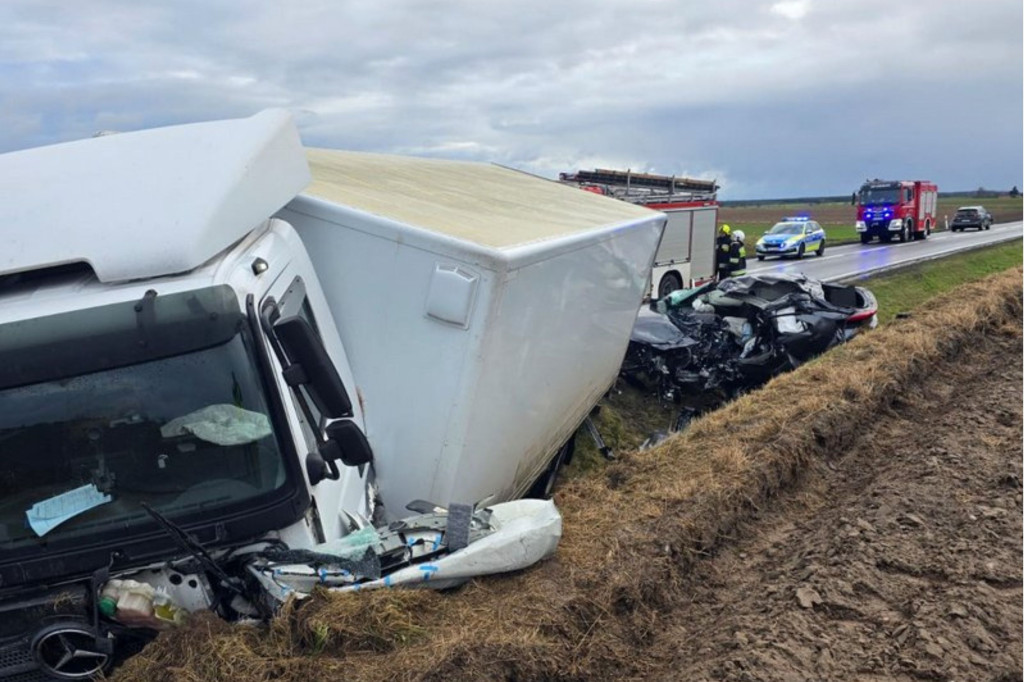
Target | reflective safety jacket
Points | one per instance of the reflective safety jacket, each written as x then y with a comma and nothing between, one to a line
722,244
737,259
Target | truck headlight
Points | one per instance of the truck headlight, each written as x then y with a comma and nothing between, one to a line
860,226
896,224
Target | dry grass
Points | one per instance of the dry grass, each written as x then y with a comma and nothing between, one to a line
632,532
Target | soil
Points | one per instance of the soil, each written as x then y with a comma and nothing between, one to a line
899,559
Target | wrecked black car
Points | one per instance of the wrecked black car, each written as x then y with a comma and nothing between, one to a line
706,345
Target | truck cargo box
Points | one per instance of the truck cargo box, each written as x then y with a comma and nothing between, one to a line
484,312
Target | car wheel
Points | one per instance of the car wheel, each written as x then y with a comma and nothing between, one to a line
821,248
760,258
865,239
800,251
669,283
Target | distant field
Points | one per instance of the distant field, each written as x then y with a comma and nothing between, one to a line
838,218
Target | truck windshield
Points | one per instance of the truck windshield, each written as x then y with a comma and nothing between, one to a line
169,410
879,195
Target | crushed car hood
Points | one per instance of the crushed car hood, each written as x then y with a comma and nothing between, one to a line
711,343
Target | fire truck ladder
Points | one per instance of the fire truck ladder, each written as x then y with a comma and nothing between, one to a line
644,188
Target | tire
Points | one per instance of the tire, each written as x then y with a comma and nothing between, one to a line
927,229
821,248
760,258
865,239
800,251
670,282
904,234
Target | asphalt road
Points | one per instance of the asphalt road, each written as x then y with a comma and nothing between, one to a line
851,261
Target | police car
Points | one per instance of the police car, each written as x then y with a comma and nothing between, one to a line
793,236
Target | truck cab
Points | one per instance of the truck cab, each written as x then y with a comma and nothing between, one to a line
901,209
163,373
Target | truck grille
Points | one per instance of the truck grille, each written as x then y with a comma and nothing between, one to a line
18,665
22,618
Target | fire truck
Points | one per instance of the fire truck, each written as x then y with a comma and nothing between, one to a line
686,256
904,209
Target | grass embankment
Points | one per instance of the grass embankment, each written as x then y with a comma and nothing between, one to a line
838,218
632,532
909,288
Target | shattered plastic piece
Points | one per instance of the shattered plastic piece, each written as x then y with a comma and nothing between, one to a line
220,424
46,515
526,532
517,534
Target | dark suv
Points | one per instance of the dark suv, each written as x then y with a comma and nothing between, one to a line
971,216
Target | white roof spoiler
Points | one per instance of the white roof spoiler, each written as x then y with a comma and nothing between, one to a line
148,203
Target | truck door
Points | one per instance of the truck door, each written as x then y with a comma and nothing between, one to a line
343,503
703,246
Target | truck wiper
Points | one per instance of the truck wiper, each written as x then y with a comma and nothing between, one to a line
196,550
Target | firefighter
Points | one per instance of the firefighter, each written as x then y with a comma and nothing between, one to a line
722,243
737,255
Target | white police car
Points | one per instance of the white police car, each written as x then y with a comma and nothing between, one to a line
792,237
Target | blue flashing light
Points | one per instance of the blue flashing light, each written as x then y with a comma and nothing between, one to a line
797,218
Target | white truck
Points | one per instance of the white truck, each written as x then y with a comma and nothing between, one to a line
686,255
215,363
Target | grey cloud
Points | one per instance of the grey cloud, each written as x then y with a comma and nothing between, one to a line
779,106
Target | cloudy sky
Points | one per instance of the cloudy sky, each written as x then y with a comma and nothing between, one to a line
773,98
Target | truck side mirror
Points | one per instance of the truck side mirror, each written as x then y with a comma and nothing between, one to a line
312,367
347,442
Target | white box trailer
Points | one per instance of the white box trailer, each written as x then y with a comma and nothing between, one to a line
484,312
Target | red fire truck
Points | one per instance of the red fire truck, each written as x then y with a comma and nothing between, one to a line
903,209
686,256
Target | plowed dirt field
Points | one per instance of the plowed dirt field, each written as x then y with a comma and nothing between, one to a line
899,559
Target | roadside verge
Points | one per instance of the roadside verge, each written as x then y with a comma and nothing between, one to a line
632,531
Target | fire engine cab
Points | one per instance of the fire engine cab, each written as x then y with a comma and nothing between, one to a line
904,209
686,256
